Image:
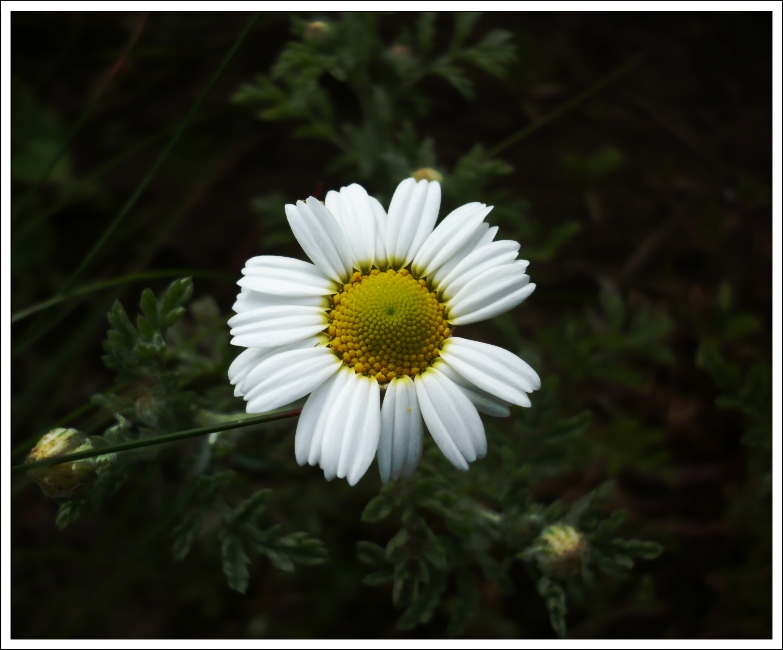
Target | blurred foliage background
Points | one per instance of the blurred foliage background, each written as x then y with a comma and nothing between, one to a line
628,153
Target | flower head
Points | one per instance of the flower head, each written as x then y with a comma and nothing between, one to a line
374,315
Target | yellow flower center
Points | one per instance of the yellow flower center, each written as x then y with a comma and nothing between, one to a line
387,324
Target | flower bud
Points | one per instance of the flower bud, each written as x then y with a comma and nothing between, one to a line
316,31
427,174
67,480
560,550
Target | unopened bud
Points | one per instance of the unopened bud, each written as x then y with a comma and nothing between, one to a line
66,480
427,174
401,53
316,31
560,550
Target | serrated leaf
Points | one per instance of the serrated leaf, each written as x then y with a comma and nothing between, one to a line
425,29
149,306
554,599
397,542
422,605
456,77
69,512
250,509
463,25
377,509
280,560
185,533
371,554
378,578
611,524
235,562
466,604
645,550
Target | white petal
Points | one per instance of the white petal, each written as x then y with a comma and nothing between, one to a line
333,421
493,369
330,411
353,211
242,365
261,314
502,305
290,375
467,248
247,376
452,420
412,215
360,441
487,404
475,263
285,276
488,236
381,258
395,222
320,236
426,220
311,411
493,285
249,299
450,235
268,327
483,401
400,445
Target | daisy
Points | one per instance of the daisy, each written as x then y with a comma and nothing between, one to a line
367,330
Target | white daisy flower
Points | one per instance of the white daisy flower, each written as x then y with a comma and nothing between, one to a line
367,330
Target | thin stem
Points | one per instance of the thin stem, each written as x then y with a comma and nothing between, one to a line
102,86
157,440
161,158
113,282
564,107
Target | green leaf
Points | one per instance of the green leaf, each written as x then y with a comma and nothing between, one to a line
455,76
425,28
466,606
251,508
185,533
371,554
493,53
609,525
645,550
235,562
378,578
377,509
69,512
463,25
149,305
280,560
422,605
554,599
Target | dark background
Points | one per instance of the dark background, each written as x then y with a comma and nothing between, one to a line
688,210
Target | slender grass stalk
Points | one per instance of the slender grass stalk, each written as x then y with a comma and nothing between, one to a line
101,88
157,440
565,106
39,327
161,158
113,282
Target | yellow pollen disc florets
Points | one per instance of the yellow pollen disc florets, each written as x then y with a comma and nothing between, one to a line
387,324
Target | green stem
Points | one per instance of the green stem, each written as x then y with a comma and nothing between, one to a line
566,106
157,440
113,282
161,158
